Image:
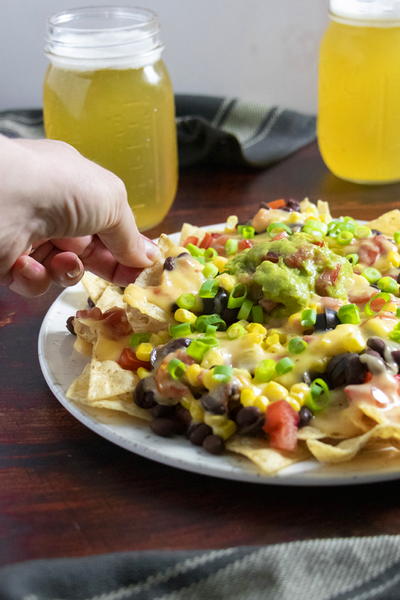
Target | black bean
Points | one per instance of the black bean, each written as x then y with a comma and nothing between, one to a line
377,344
163,426
70,325
326,320
249,420
169,263
197,433
183,415
345,369
212,404
213,444
272,256
160,352
217,304
292,204
162,410
90,302
396,357
229,315
305,416
183,254
376,231
398,278
143,396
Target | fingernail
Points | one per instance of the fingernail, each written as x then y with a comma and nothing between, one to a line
152,250
73,274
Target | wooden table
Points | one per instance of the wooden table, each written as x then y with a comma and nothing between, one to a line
64,491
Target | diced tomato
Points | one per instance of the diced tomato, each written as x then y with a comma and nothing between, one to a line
206,241
191,239
117,323
327,278
218,242
280,236
243,244
279,203
90,313
130,362
281,421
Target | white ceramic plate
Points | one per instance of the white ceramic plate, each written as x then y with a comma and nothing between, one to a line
60,364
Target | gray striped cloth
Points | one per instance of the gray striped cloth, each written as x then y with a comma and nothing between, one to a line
333,569
211,130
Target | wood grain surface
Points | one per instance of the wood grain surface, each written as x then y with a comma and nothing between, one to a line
66,492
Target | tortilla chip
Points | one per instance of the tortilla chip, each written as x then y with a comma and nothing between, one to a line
108,379
268,460
347,449
121,403
93,285
78,390
387,223
107,349
111,297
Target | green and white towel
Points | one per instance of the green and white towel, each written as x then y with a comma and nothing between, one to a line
211,130
333,569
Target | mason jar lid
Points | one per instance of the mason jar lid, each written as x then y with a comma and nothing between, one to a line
103,37
366,10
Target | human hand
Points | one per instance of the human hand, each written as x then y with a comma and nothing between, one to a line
61,214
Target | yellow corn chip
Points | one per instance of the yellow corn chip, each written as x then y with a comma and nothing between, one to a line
93,285
268,460
387,223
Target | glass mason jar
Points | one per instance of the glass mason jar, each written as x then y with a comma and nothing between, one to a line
359,91
107,92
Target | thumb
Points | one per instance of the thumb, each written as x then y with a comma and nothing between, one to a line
128,246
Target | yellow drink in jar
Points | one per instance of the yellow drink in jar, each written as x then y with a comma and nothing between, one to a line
359,100
119,113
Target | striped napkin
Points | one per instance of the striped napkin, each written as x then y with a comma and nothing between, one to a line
211,130
333,569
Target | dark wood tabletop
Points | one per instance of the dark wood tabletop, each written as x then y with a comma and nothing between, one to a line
64,491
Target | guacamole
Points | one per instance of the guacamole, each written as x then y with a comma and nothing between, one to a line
290,270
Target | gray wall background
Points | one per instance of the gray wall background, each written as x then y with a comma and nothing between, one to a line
260,50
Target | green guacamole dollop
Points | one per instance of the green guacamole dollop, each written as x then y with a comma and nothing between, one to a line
290,270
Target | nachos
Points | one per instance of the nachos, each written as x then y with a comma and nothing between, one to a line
277,339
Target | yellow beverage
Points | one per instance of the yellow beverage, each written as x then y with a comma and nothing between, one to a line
359,101
108,93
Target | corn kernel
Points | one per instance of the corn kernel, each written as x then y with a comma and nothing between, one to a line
164,336
261,402
295,404
220,425
391,307
231,223
272,339
155,339
212,357
143,351
247,397
292,218
194,407
193,373
208,380
394,258
142,372
256,328
299,392
184,316
254,338
226,281
354,342
379,327
220,262
275,391
276,348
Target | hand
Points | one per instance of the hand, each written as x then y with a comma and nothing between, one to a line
61,214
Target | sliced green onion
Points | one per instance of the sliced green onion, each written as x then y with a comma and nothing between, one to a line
371,310
362,232
284,366
138,338
396,237
200,259
180,330
297,345
195,250
235,331
257,314
388,284
277,227
265,371
176,368
208,340
372,275
352,258
245,310
315,227
210,253
246,231
211,329
394,335
349,313
237,296
203,321
222,373
210,270
319,396
231,246
344,237
209,289
197,349
398,312
187,301
308,317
